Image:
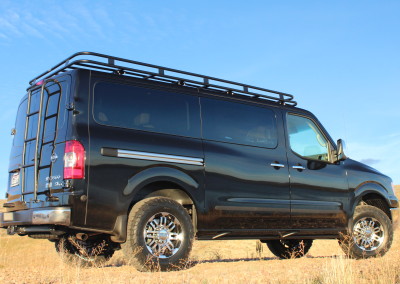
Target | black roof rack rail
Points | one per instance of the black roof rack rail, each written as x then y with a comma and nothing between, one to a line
84,60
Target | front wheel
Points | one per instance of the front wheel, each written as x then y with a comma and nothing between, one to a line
289,248
371,235
159,236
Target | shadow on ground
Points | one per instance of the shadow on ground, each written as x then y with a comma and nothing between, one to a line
192,263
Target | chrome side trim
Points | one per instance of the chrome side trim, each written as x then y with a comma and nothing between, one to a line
159,157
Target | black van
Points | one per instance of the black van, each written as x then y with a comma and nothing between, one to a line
110,153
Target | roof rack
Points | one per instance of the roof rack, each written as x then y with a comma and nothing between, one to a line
121,66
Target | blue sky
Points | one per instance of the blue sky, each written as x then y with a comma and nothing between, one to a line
340,59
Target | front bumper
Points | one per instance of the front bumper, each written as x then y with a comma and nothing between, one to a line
37,216
395,212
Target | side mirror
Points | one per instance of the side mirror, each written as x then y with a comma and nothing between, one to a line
341,156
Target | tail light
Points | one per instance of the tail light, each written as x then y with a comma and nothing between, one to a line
74,160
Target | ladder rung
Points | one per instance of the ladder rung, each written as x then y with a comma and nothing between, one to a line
44,167
51,116
32,113
53,93
47,142
30,139
27,166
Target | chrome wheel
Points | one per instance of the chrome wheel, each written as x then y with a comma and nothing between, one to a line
163,235
368,234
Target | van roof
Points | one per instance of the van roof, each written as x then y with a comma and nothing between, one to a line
125,67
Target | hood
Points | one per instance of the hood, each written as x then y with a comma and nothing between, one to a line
358,166
360,174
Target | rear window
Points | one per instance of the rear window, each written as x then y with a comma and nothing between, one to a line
238,123
51,101
20,125
146,109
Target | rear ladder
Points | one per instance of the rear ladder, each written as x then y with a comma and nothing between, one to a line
38,139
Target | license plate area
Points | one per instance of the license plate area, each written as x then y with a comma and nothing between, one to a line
14,179
8,216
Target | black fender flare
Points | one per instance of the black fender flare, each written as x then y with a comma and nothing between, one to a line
150,175
367,188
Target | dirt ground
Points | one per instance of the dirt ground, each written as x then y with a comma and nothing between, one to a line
25,260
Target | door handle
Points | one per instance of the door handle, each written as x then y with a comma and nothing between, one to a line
276,165
299,168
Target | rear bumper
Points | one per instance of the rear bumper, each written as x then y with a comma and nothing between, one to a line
37,216
395,216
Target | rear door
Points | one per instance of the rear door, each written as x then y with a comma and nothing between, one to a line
50,151
247,181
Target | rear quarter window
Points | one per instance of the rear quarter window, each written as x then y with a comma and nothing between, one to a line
238,123
146,109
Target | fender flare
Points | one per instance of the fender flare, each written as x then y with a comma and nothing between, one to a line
367,188
150,175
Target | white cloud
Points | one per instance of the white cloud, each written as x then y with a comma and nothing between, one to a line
69,22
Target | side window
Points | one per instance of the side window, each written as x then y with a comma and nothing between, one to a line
238,123
306,139
146,109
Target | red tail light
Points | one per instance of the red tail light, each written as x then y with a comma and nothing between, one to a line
74,160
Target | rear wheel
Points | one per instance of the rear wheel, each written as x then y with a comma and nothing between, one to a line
371,235
160,235
289,248
90,253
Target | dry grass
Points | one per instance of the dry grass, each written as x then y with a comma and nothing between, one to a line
24,260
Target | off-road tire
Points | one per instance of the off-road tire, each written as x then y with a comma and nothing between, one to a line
135,249
348,244
91,253
287,249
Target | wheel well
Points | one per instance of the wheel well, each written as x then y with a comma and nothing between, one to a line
376,200
170,190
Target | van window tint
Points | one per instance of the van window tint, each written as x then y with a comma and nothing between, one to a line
239,123
146,109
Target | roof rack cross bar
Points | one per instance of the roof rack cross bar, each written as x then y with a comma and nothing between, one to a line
111,61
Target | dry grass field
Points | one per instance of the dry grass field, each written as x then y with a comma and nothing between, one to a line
24,260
